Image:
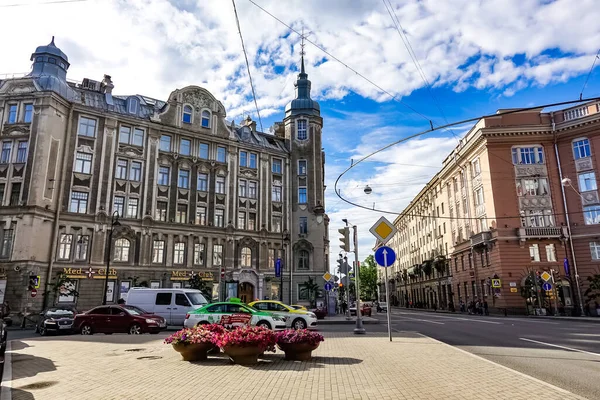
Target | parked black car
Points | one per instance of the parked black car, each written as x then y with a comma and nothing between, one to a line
56,320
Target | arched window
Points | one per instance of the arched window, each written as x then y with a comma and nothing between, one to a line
303,259
246,257
122,250
206,119
187,114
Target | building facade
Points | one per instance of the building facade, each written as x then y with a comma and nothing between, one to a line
191,192
516,198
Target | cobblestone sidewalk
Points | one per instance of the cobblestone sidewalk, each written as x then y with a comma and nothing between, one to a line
344,367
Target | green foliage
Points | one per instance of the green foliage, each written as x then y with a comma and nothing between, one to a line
440,264
62,285
198,284
311,289
135,282
593,291
427,267
368,279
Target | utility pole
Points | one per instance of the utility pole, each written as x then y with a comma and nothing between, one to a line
359,325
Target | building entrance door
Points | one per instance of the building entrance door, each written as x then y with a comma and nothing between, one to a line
246,292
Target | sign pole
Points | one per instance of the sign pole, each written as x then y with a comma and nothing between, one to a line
555,292
387,294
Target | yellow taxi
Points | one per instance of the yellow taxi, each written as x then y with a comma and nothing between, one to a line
296,319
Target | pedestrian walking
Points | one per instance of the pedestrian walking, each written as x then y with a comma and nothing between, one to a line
486,310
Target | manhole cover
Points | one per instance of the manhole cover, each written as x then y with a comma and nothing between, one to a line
149,358
38,385
132,350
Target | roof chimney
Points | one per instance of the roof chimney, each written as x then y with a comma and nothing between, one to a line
252,124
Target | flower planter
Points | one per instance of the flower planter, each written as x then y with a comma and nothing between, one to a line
244,355
193,351
214,350
298,351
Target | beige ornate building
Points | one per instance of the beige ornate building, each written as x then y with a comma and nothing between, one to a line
195,193
516,198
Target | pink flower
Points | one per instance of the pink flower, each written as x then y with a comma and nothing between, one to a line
299,336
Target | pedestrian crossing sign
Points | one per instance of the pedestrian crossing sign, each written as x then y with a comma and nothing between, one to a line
496,283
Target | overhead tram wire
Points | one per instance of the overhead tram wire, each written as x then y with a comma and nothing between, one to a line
411,52
237,20
393,97
589,73
469,120
42,3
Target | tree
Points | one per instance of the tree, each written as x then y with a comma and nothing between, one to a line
197,283
311,289
593,291
62,286
427,267
368,279
135,282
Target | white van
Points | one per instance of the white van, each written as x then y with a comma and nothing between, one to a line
171,304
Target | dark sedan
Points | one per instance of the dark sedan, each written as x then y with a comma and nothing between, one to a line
56,320
118,319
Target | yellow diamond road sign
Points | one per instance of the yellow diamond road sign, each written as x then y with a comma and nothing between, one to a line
327,276
383,230
546,276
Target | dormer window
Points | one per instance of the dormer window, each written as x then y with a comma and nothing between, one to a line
206,119
132,105
187,114
301,132
52,60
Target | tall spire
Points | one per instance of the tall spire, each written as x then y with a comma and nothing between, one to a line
302,54
302,104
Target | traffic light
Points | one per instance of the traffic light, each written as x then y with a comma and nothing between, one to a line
345,239
341,284
33,282
340,264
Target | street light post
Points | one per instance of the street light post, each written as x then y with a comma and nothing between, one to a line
285,237
113,222
567,182
359,324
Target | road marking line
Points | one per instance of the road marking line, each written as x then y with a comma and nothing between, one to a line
424,320
6,393
570,394
461,319
561,347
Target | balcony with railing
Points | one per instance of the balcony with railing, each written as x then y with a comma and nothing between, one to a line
542,232
481,238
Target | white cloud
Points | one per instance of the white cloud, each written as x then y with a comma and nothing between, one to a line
155,46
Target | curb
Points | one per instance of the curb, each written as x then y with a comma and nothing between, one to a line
346,322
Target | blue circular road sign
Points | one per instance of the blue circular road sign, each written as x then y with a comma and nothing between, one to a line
547,286
328,286
385,256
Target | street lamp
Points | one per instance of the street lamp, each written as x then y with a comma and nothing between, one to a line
359,324
113,222
285,238
566,182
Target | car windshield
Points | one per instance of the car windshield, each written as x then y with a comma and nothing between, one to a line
133,310
250,308
297,307
60,313
196,298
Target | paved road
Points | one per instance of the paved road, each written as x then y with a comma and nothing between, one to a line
563,353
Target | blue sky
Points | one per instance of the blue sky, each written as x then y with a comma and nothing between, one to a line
479,56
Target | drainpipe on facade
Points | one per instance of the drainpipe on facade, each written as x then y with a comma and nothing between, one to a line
564,198
55,225
290,256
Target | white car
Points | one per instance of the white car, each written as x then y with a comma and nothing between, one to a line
296,319
232,314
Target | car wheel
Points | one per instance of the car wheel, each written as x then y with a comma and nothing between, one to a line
135,329
86,330
299,323
264,324
42,330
